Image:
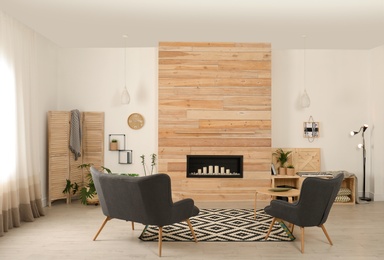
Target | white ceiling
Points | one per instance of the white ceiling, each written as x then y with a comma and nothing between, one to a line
328,24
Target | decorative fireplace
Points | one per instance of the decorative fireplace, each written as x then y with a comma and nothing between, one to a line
214,166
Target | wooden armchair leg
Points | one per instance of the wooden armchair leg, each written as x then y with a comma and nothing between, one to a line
292,228
160,239
133,225
192,231
302,239
102,226
326,234
270,228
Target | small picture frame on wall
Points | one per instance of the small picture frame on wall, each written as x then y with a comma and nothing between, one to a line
311,129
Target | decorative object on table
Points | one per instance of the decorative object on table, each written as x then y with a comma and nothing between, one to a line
280,189
316,198
222,225
362,146
291,170
136,121
282,159
125,97
114,145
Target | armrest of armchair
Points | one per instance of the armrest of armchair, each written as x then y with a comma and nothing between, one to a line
282,209
184,209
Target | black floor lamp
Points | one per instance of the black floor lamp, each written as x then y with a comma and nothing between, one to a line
363,128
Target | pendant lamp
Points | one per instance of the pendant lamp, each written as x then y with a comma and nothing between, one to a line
125,98
305,101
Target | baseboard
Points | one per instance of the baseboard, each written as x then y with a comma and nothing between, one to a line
377,196
373,196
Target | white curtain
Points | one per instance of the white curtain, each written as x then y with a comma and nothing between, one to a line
20,191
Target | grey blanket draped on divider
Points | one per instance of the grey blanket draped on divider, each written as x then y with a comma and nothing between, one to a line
75,134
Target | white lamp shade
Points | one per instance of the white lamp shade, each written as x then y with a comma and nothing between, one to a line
125,98
305,101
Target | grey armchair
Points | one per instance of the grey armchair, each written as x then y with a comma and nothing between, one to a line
315,202
146,200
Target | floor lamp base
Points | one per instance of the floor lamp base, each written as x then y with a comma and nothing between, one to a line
365,198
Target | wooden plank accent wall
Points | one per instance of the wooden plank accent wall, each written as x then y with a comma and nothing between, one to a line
215,99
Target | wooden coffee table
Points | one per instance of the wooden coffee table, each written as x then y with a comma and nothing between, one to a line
290,194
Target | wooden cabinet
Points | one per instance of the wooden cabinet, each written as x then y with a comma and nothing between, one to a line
61,162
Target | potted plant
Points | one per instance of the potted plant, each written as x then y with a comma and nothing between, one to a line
113,146
290,170
88,194
87,190
282,158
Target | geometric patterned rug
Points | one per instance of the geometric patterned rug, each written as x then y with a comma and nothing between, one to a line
222,225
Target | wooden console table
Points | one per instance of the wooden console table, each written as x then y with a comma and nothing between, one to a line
296,181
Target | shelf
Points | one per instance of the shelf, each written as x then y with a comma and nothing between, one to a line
125,156
286,180
120,138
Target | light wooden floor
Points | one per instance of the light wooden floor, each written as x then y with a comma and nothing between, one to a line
66,232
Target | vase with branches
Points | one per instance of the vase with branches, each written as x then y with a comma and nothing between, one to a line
153,163
143,163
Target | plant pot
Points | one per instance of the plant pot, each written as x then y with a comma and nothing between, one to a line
291,171
113,146
282,171
94,200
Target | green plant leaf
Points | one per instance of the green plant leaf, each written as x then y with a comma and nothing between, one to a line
68,186
106,169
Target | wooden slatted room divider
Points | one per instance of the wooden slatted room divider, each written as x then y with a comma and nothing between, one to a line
215,99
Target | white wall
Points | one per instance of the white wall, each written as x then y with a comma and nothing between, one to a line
377,118
337,82
93,80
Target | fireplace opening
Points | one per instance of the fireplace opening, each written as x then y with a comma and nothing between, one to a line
214,166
